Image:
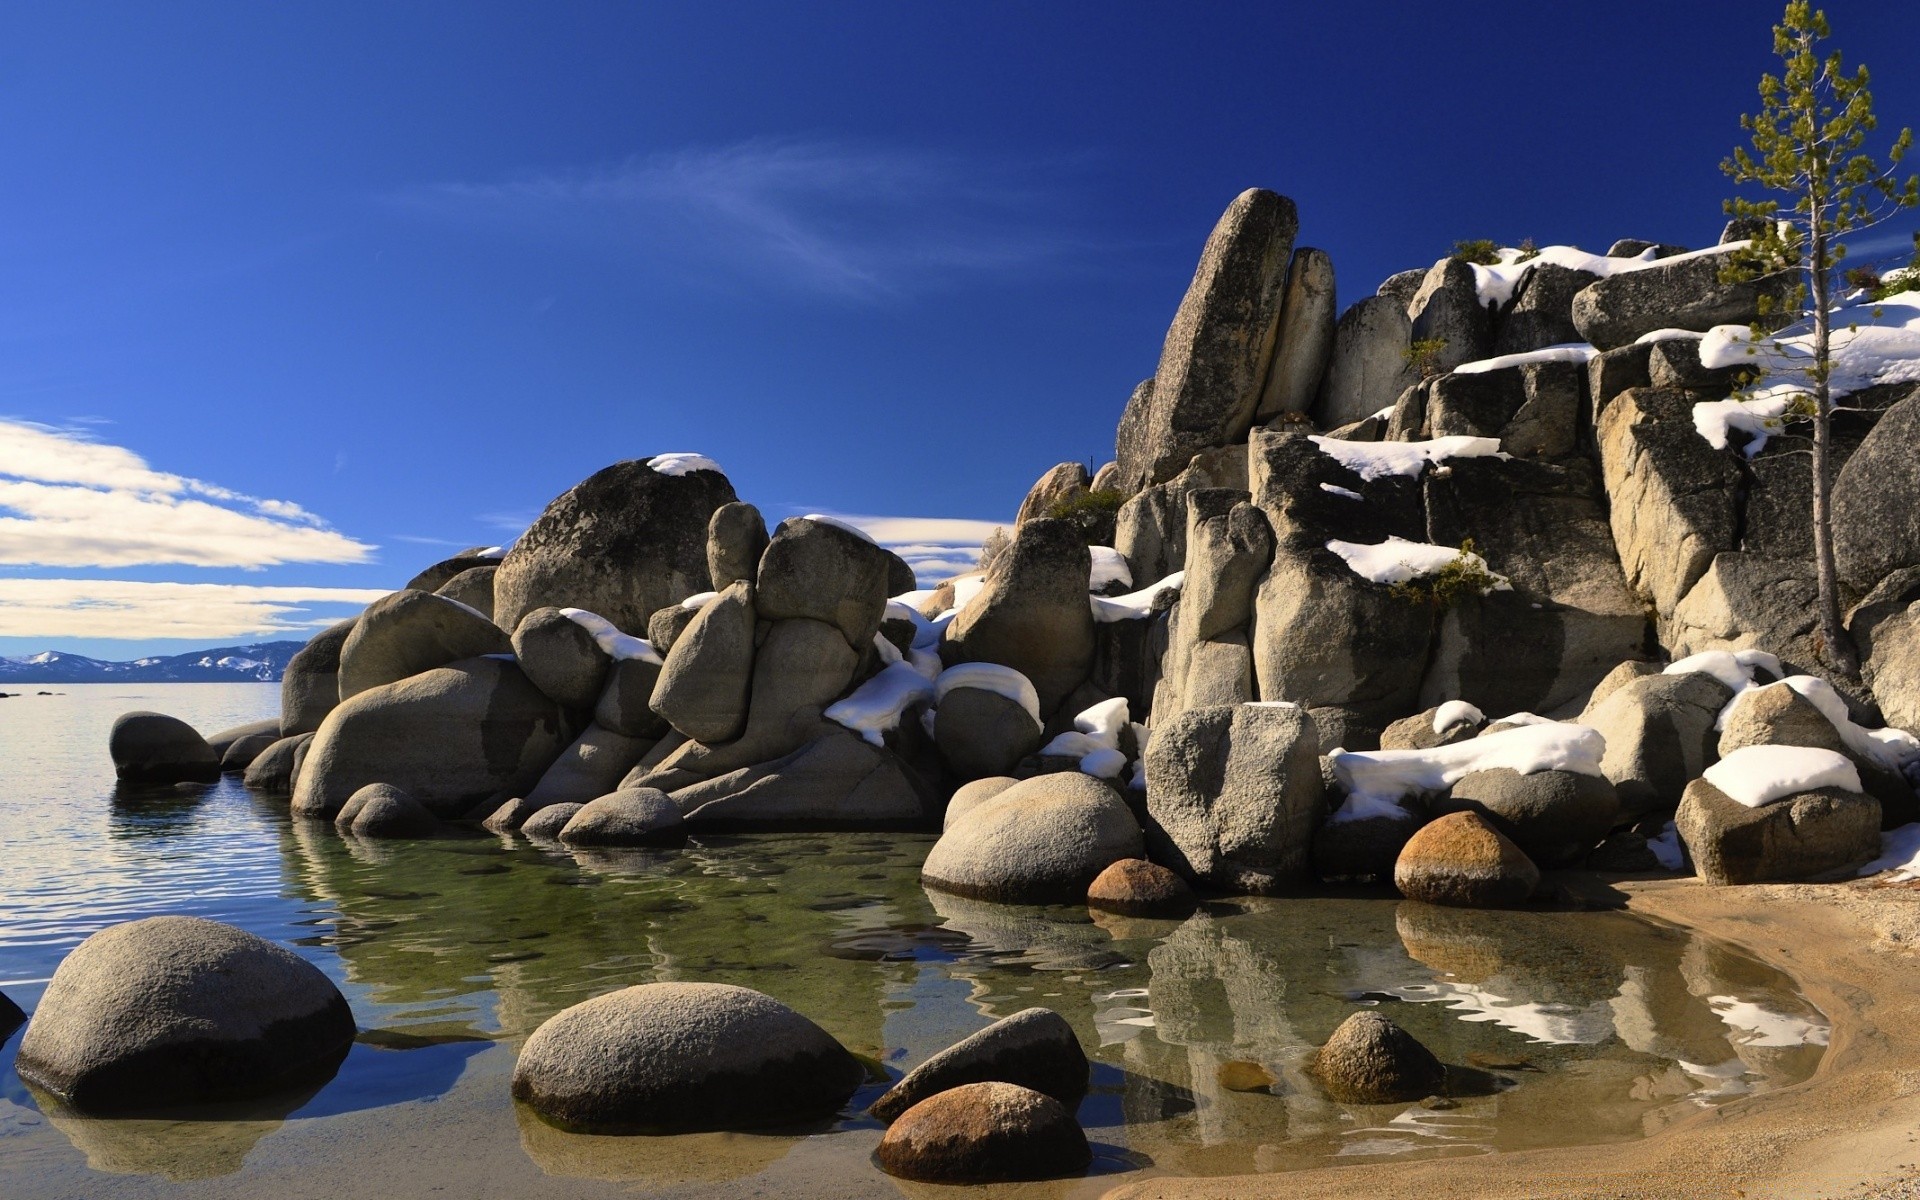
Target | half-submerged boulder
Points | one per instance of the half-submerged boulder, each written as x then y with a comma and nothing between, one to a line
681,1057
635,817
1134,887
179,1010
153,748
985,1133
1042,841
1463,861
381,810
1370,1060
1034,1048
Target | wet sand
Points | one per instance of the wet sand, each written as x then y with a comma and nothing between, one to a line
1849,1131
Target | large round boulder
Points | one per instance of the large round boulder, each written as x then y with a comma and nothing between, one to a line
561,657
1821,832
624,543
407,632
1370,1060
1042,841
1134,887
450,737
310,686
272,769
985,1133
1462,860
380,810
1555,816
826,571
982,733
181,1010
969,796
636,817
1034,1048
680,1057
151,747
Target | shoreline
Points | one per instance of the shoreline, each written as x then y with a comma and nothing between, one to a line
1849,1131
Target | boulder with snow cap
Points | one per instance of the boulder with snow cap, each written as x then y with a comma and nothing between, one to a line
1214,362
310,685
1660,735
624,543
1234,793
1773,813
1304,342
1042,841
1442,725
1368,368
1804,711
986,719
1677,293
736,537
1462,861
1033,614
704,685
407,632
824,570
562,657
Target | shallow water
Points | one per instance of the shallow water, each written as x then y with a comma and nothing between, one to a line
1570,1027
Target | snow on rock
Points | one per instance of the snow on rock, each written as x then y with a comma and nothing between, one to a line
1899,853
1573,352
1104,763
1894,749
914,600
1397,560
1497,282
1759,775
1734,668
491,552
888,652
683,464
1109,566
1366,808
1377,460
838,523
1337,490
620,647
1668,335
1759,419
927,662
699,600
991,677
1105,719
1549,746
1667,849
875,707
929,635
1095,739
1456,712
1134,605
1873,343
966,588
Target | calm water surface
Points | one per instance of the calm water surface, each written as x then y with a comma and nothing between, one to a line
1576,1027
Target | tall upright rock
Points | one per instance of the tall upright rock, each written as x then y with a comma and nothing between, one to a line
1305,341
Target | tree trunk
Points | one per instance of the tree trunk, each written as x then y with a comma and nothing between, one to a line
1840,652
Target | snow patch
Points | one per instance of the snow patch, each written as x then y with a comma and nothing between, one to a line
1872,343
699,600
1668,335
1573,352
1368,808
683,464
1397,560
1456,712
844,526
1134,605
1760,775
1497,282
1109,566
1734,668
990,677
1899,853
1667,850
1549,746
875,707
1337,490
619,646
1377,460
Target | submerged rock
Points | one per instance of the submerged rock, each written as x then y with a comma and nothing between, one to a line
151,747
1034,1048
1462,860
681,1057
382,810
984,1133
1370,1060
180,1010
640,817
1134,887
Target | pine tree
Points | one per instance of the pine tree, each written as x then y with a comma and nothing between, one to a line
1808,141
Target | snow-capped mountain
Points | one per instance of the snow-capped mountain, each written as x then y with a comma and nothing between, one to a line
259,663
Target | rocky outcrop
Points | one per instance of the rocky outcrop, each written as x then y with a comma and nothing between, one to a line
1447,312
835,781
408,632
1034,1048
1673,496
1041,841
179,1010
819,570
681,1057
1368,368
592,766
153,748
472,587
1059,485
1033,613
1208,660
1876,501
624,543
1541,312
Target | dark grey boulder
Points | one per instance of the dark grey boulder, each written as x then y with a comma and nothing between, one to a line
11,1018
545,824
736,538
665,627
1462,861
310,686
1828,832
985,1133
1876,501
640,817
818,570
1635,247
178,1010
509,815
272,769
1541,311
1233,795
1304,342
625,702
1214,361
445,571
1555,816
624,543
1034,1048
681,1057
239,746
1033,615
982,733
704,687
1619,370
1129,440
407,632
153,748
1042,841
561,658
472,587
1675,363
835,781
380,810
1370,1060
1362,848
1682,294
1368,368
450,737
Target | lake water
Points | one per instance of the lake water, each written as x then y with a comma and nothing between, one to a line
1579,1026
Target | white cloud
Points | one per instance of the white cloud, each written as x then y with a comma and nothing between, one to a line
68,501
858,220
114,608
937,548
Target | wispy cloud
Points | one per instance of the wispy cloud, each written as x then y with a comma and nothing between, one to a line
856,220
69,501
937,548
112,608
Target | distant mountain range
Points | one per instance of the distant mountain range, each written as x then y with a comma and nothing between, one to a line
259,663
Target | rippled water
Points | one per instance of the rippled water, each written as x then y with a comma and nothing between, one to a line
1565,1027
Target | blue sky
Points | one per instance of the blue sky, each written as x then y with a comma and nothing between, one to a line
304,296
